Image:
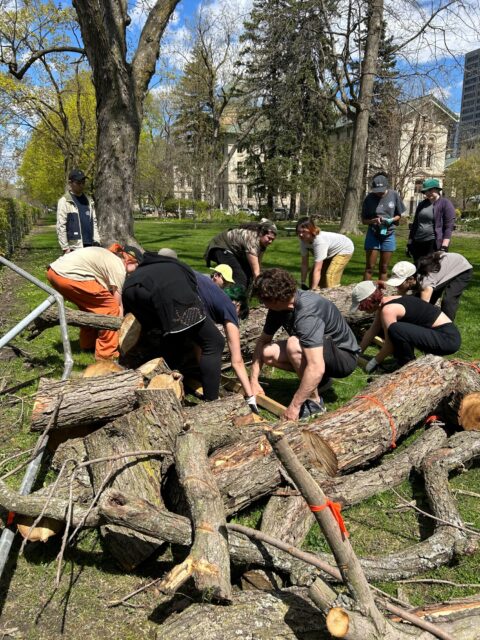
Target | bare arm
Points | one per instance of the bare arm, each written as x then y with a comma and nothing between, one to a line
316,274
257,362
304,268
373,331
426,294
254,263
233,339
312,374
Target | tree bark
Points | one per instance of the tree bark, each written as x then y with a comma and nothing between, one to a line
75,318
346,438
121,83
150,427
85,401
351,205
209,552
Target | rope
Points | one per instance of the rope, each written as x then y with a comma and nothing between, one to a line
381,406
335,508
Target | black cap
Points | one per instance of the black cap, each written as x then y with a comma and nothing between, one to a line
134,252
379,184
76,175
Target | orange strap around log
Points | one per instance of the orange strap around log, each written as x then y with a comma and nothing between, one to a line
432,418
387,413
10,518
335,508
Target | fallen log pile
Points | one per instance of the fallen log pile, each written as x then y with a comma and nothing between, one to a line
161,474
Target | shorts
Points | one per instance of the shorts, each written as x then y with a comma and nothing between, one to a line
380,243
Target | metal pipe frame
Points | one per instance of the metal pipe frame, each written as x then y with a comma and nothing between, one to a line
8,534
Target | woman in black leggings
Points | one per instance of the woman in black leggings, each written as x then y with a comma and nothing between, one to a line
408,323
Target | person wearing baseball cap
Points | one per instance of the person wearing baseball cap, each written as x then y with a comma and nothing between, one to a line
76,219
433,223
222,275
438,275
382,210
406,323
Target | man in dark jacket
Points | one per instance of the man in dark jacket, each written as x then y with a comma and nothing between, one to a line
163,295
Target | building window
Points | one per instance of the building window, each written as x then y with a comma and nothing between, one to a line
429,153
240,170
240,191
421,154
250,193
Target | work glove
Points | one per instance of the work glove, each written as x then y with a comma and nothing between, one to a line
304,286
371,365
252,403
388,221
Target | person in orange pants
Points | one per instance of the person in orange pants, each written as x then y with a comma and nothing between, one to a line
93,279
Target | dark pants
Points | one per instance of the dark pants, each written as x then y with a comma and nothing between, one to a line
451,292
405,337
211,343
339,363
242,273
420,249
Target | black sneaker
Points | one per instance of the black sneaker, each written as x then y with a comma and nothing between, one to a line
325,384
311,408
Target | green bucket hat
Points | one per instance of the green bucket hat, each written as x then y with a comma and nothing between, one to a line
430,183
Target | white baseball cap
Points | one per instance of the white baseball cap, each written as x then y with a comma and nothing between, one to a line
400,272
360,292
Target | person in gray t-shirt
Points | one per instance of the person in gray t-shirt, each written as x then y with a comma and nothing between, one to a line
320,344
438,275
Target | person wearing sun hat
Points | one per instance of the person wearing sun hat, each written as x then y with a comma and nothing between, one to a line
438,275
406,322
433,223
222,275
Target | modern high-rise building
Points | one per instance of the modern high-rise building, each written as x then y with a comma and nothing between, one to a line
470,111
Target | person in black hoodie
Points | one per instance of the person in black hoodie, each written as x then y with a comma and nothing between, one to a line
163,296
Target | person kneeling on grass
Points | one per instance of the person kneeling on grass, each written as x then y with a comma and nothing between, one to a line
321,344
407,323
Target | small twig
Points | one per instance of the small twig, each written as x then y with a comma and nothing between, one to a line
16,455
475,532
25,383
449,583
462,492
115,603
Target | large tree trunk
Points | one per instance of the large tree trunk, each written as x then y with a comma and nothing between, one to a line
351,205
347,438
120,86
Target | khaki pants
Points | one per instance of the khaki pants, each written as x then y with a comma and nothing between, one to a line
332,270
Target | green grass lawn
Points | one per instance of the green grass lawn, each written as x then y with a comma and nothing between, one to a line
374,529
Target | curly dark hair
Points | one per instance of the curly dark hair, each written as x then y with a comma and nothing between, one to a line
263,227
274,284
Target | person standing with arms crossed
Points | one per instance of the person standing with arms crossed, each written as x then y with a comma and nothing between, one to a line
76,219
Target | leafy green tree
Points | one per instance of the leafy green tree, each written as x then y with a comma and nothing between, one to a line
63,137
284,58
462,178
121,67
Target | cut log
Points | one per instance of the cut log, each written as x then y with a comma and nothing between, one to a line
45,529
469,414
171,381
101,368
287,518
209,552
129,333
75,318
147,428
347,438
90,401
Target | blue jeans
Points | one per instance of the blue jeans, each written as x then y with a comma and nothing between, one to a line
374,240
